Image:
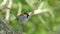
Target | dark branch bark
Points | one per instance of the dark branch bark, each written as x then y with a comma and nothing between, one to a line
4,26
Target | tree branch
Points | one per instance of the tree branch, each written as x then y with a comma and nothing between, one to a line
9,4
20,8
4,26
3,3
4,23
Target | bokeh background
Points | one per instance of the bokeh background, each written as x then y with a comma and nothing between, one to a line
42,23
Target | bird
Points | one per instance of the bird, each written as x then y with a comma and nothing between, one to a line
22,17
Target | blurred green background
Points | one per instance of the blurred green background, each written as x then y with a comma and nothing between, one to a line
41,23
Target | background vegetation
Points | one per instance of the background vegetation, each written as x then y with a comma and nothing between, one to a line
42,23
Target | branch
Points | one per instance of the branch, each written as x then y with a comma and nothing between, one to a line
1,27
41,4
7,15
38,11
5,26
20,8
8,10
3,3
9,4
1,31
30,2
